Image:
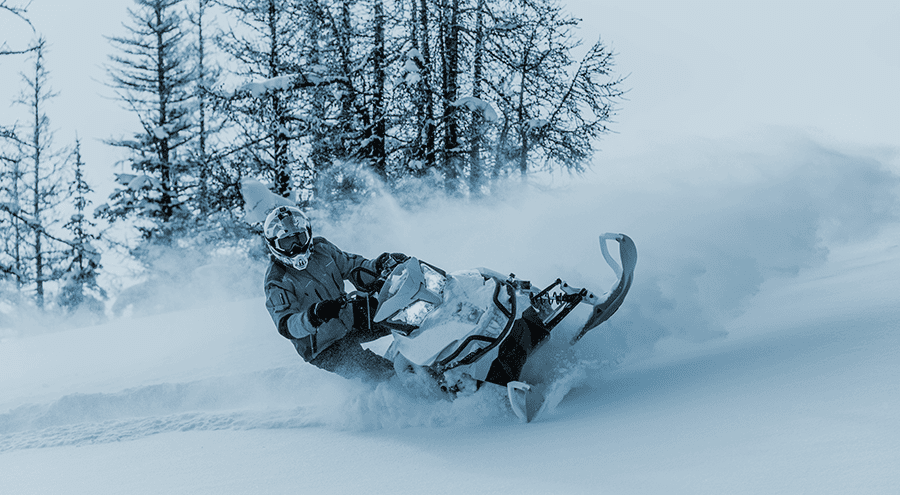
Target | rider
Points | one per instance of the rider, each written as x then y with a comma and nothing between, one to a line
305,297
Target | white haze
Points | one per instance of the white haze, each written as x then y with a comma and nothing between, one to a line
712,220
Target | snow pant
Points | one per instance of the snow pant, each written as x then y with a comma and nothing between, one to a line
347,357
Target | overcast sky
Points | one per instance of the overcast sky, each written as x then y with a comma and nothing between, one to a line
695,68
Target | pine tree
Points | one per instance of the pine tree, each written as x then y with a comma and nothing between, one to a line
262,46
153,78
201,157
375,132
10,162
353,58
80,288
418,79
216,196
35,190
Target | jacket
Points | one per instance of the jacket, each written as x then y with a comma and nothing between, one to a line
290,291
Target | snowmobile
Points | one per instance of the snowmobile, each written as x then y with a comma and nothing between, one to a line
474,327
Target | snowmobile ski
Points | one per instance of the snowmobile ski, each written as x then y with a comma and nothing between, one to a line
625,273
526,400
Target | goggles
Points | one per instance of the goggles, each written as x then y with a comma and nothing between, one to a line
294,244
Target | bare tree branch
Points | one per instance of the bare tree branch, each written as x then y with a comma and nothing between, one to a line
20,13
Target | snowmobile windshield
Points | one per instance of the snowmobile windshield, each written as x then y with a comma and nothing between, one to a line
410,293
294,244
397,279
434,280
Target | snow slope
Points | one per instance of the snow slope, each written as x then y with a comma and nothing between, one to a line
755,354
806,407
746,360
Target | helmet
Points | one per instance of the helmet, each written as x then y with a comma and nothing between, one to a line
289,236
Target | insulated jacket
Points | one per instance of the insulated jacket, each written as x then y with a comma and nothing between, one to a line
290,291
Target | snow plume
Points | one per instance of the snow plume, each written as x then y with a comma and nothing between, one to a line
185,276
392,404
719,220
712,222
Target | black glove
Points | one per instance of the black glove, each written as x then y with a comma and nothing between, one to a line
389,260
321,312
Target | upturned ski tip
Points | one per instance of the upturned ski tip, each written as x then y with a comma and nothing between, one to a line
526,400
624,273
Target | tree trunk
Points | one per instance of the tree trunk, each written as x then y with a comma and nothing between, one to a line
204,172
378,151
162,91
278,121
36,191
475,137
320,149
521,114
17,247
450,65
428,131
38,143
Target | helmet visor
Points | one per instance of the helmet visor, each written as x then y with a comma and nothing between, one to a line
294,244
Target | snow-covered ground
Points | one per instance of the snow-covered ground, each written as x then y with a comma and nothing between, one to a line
212,402
756,353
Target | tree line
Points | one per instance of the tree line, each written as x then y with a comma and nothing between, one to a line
41,248
323,100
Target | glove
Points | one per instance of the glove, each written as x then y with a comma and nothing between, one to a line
386,261
323,311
